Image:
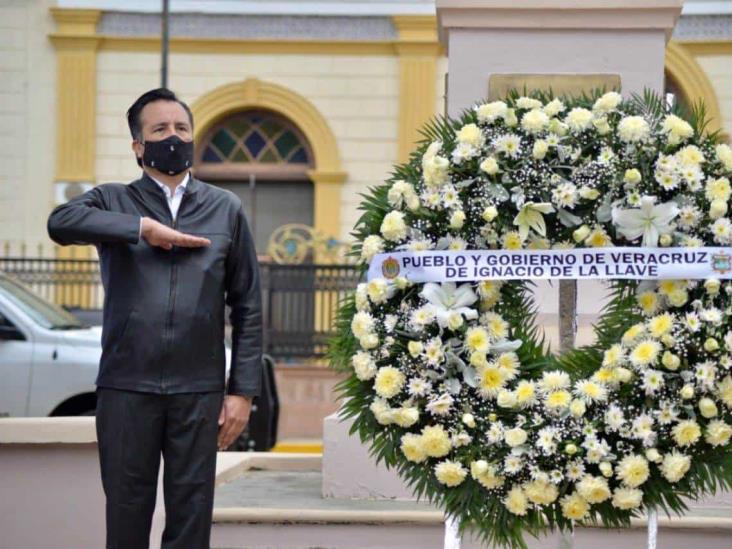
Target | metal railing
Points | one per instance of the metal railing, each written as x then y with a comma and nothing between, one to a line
299,301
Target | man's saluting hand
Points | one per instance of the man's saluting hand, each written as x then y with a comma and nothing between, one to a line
157,234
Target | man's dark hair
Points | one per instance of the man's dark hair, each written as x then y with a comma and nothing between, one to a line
160,94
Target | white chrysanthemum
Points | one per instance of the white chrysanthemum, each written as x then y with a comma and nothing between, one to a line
389,381
379,290
607,102
490,112
653,381
363,365
675,465
676,129
362,324
554,380
593,489
627,498
633,470
534,121
372,245
689,217
419,387
722,230
645,353
393,226
724,155
422,317
614,417
450,473
554,107
578,119
565,195
590,391
633,129
508,144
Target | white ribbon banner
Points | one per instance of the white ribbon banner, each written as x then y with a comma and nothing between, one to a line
584,263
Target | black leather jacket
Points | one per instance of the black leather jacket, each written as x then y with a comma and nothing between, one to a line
164,310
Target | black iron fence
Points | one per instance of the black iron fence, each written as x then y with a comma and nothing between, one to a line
299,301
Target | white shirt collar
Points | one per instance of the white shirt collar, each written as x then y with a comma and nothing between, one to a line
178,190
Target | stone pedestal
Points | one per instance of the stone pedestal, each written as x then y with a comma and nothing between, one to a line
492,44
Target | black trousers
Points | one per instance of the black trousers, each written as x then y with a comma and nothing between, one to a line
133,430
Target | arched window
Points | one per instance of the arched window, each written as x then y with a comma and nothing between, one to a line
263,158
262,143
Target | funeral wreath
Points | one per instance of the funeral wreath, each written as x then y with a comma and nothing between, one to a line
451,382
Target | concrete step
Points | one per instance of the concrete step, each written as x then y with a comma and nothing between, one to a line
270,505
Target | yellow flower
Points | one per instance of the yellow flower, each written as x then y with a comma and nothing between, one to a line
509,364
512,241
627,498
541,492
648,301
415,347
660,325
668,286
686,433
406,416
525,393
718,189
491,379
598,239
412,448
633,333
495,324
485,474
675,466
633,470
593,489
708,408
435,441
516,501
389,381
477,339
604,375
645,353
718,433
574,507
558,399
613,356
450,473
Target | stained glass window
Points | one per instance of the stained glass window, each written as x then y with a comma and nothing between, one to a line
256,138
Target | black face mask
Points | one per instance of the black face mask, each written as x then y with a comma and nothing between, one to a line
170,156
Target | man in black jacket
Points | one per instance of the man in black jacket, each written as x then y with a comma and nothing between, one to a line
173,251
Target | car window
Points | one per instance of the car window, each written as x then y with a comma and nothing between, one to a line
45,313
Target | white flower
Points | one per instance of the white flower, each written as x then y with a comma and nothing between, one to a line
434,167
463,151
509,144
528,103
633,129
676,128
447,297
534,121
649,221
471,135
419,386
579,119
531,216
393,226
362,324
490,112
372,245
379,290
722,230
724,155
440,405
607,102
363,365
554,107
565,195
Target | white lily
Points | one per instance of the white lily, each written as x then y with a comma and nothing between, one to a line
447,298
649,221
531,216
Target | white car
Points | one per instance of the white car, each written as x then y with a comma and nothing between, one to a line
48,358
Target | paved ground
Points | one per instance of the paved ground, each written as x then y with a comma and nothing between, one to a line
297,490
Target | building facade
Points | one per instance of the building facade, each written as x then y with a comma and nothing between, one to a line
299,106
